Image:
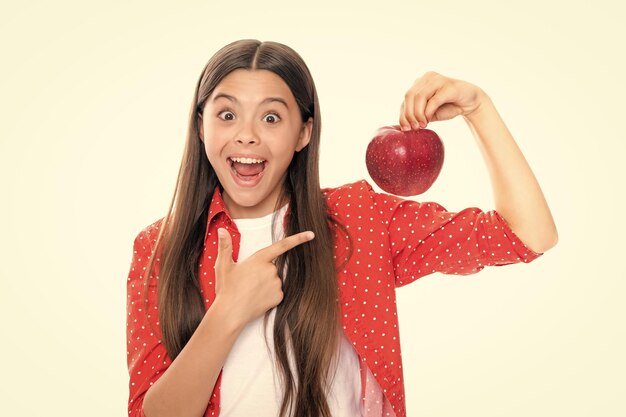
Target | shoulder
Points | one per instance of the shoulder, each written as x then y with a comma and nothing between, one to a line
341,198
354,188
358,201
360,192
145,240
143,250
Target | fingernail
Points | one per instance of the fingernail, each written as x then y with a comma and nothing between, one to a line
422,124
404,128
415,126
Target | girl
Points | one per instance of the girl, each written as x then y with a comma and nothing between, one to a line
261,293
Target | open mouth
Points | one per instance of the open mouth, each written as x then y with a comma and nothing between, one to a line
247,169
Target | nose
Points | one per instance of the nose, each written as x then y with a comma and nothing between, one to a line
247,134
246,140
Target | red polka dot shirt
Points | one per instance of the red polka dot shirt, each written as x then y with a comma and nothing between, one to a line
394,242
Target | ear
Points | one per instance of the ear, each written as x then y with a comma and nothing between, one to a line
305,134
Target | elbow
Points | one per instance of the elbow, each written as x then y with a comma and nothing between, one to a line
548,246
547,242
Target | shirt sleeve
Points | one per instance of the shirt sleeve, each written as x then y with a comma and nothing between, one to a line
146,356
426,238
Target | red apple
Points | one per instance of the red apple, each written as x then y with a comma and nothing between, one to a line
404,163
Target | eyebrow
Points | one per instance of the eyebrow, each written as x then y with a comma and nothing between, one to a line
267,100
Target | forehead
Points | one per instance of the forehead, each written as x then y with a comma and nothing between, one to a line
254,86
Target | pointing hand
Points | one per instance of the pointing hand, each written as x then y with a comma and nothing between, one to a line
251,287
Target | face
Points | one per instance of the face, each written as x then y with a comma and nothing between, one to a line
251,128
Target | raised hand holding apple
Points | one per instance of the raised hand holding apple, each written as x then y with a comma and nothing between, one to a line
406,159
434,97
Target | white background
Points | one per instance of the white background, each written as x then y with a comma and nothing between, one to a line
94,102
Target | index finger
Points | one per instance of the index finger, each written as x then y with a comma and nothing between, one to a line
278,248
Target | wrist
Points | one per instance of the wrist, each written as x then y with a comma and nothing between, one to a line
225,314
483,107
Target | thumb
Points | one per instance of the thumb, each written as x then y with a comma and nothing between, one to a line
224,250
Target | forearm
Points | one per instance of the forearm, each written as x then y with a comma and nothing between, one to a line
186,386
518,196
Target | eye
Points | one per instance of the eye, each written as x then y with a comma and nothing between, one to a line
227,115
272,118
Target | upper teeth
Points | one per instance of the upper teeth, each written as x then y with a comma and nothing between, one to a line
247,160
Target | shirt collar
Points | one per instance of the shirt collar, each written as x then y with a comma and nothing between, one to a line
217,204
216,207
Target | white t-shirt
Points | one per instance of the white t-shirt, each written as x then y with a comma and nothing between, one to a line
250,378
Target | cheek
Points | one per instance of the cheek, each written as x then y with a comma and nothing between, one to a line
213,144
284,156
212,152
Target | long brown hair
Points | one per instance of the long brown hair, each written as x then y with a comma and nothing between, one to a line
307,320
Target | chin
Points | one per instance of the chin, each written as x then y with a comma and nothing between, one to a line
253,204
